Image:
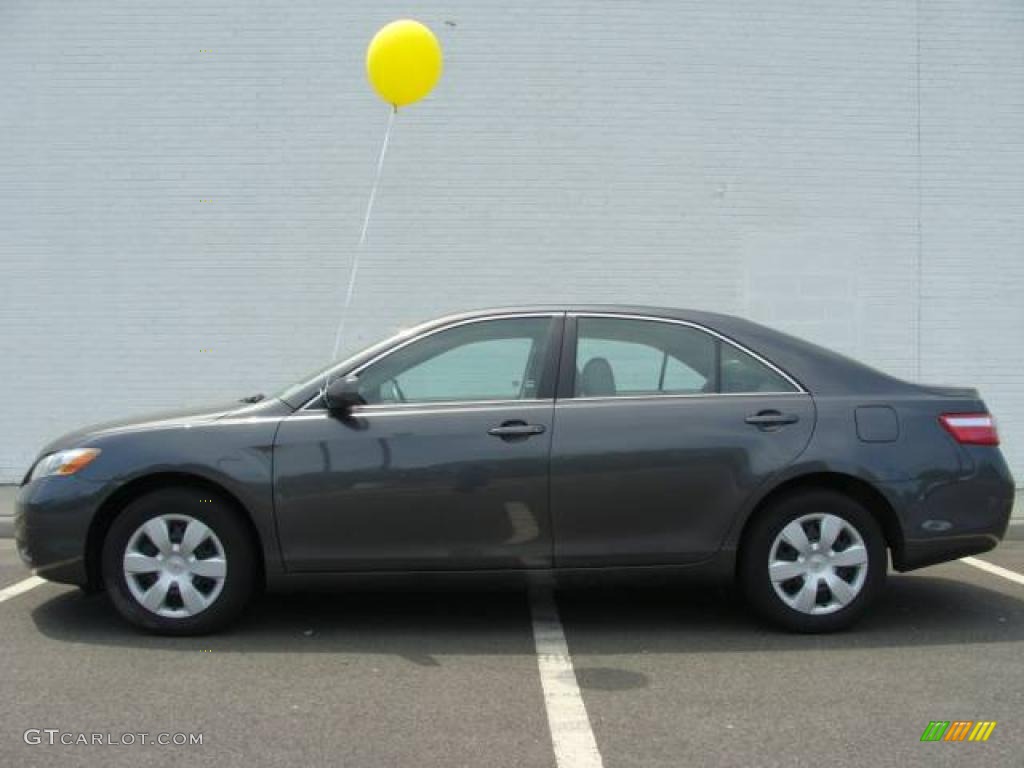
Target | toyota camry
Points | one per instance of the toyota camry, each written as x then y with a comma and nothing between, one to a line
538,440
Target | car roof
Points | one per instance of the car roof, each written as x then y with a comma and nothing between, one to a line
674,313
818,369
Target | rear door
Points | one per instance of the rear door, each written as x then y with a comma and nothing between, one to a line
663,429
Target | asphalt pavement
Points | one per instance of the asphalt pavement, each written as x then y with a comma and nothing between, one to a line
670,676
7,494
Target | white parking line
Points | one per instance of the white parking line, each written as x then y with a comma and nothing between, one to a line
984,565
571,735
22,586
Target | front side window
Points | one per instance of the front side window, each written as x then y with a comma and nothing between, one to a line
487,360
625,356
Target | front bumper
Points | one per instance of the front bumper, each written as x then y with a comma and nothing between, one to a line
52,516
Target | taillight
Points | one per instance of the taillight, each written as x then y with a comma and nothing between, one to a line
971,428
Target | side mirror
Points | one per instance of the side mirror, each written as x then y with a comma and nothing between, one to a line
342,395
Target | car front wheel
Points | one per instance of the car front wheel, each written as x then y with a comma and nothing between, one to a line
813,562
179,561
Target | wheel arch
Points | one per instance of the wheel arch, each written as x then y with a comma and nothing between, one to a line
140,486
856,488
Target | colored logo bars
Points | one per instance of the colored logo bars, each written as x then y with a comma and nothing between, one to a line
958,730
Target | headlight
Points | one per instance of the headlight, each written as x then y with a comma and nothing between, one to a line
64,462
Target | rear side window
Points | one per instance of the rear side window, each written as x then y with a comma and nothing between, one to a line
642,357
743,373
632,357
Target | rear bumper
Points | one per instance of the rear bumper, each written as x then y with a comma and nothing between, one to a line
956,519
51,524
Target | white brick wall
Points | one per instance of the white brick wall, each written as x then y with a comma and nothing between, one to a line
774,159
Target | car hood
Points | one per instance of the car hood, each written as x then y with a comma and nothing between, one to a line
145,422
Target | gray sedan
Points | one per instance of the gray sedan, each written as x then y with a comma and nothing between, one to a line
539,440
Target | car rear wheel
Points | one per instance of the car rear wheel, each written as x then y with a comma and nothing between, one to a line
179,561
813,562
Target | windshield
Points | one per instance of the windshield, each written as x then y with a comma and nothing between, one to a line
293,391
302,390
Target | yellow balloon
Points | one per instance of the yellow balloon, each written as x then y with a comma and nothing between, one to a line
403,62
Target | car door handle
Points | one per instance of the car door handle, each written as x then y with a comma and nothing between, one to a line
771,419
516,429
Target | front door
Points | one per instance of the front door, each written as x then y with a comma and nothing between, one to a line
662,432
444,468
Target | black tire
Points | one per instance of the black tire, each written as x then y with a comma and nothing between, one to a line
756,551
233,535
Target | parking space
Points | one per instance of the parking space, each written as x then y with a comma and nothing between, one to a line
11,569
1009,554
670,676
330,680
687,679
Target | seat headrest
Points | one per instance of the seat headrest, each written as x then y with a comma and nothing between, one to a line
597,379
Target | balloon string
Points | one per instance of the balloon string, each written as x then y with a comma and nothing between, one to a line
362,235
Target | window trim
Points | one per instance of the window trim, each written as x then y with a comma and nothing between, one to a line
553,342
566,388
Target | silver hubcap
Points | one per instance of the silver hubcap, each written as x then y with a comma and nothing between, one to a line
818,564
175,566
